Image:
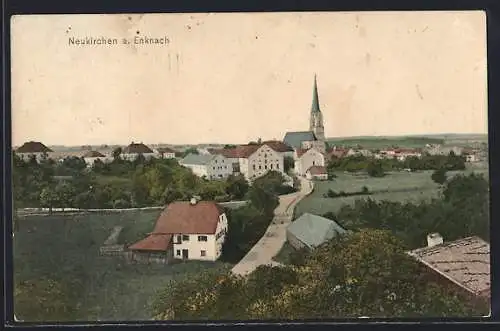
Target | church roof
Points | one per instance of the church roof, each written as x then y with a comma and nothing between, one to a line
315,102
295,139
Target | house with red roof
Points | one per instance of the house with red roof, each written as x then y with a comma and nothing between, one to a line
33,148
317,173
132,151
255,160
166,152
185,230
91,156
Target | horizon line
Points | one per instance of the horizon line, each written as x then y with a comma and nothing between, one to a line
422,135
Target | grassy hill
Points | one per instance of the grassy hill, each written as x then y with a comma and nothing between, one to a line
65,248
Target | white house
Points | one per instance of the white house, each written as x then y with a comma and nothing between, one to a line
317,173
317,144
165,153
257,160
254,160
187,230
305,159
209,166
132,151
91,156
33,148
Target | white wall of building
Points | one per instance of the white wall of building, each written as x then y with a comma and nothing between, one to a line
262,161
311,157
212,247
199,170
133,156
219,167
90,160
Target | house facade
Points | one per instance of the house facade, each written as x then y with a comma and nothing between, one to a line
185,230
165,153
132,151
254,160
260,162
305,159
201,246
33,149
91,156
317,173
212,167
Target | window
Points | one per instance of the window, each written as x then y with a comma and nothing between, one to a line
214,168
271,166
179,240
202,238
254,167
260,167
178,253
277,166
185,237
203,253
215,161
265,167
314,163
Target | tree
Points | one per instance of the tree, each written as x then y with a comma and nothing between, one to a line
44,300
48,198
237,186
375,169
65,194
439,176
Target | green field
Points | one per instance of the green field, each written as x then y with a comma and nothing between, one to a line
409,141
398,186
65,248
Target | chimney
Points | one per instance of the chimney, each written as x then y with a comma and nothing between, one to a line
434,239
193,201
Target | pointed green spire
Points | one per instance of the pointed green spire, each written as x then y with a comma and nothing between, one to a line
315,102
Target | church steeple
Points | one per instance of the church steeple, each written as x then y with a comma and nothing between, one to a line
315,102
316,121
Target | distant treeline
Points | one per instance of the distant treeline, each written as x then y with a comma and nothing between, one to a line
403,141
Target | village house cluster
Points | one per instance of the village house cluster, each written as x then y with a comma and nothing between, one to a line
196,230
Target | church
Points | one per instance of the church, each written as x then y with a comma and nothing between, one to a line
315,137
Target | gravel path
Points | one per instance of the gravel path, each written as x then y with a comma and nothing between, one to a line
275,236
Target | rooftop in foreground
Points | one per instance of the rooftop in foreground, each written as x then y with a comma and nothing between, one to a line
466,262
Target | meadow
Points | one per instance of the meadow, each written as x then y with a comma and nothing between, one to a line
396,186
65,248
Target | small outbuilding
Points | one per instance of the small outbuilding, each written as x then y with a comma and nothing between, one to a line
309,231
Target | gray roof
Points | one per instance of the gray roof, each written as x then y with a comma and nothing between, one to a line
200,159
314,230
295,139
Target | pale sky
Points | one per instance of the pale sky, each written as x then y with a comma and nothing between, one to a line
235,77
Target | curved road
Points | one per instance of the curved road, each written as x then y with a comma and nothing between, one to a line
274,238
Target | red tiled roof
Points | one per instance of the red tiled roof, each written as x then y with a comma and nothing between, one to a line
93,154
278,146
466,262
244,151
33,147
137,149
181,217
317,170
153,242
241,151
